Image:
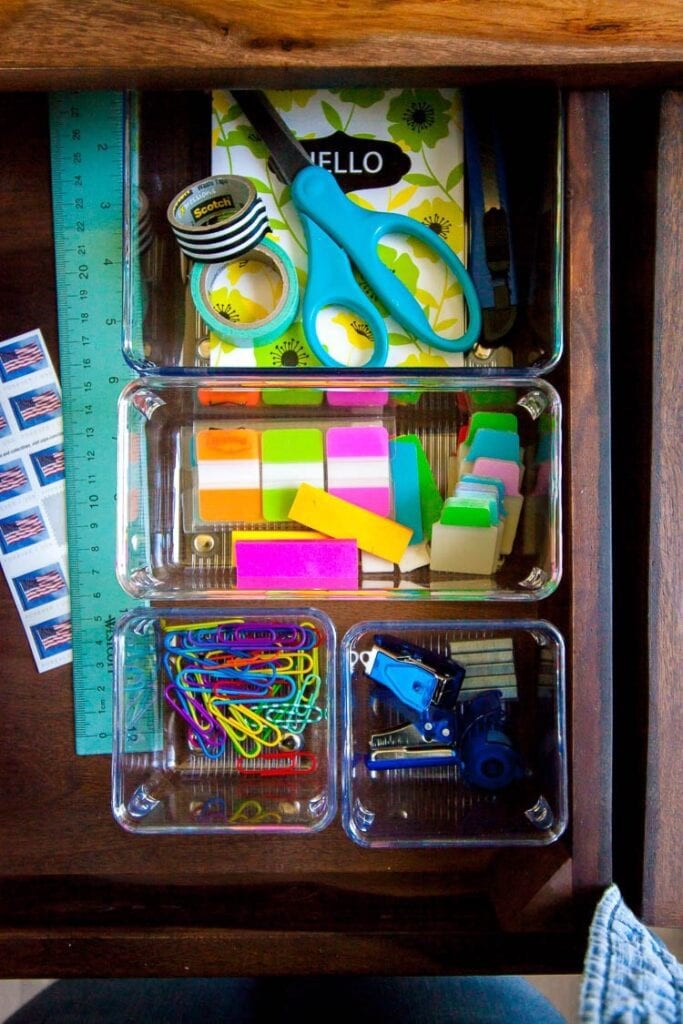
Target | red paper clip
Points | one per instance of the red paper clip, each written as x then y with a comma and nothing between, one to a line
280,762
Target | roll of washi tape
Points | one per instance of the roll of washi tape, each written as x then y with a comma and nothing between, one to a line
253,332
218,218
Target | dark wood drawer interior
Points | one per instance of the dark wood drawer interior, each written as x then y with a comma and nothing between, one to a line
78,896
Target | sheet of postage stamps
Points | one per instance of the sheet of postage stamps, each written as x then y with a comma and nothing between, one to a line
33,547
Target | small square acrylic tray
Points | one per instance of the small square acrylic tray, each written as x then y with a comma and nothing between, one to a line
224,722
454,734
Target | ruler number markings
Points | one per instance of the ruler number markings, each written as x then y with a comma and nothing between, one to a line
86,134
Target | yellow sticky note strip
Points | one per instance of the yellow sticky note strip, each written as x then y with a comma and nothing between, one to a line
270,535
340,519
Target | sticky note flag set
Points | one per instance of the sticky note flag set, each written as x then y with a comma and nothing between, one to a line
314,507
478,522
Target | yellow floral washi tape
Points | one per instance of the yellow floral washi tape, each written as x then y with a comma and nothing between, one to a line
253,332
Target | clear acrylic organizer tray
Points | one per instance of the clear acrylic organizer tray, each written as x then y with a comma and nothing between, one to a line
182,525
487,769
269,765
170,146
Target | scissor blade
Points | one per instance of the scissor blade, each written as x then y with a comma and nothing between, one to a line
288,155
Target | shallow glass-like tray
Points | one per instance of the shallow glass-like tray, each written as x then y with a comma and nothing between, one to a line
167,548
462,802
276,769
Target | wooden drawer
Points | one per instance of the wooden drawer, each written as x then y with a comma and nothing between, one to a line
81,897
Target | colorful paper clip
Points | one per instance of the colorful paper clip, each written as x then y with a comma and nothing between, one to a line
245,688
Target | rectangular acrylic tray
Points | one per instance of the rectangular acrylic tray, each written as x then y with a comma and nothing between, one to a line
239,764
168,548
488,771
170,146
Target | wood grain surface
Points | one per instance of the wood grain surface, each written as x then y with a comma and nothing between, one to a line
663,867
588,434
78,896
173,42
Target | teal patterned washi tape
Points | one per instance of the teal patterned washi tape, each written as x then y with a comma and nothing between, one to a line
253,332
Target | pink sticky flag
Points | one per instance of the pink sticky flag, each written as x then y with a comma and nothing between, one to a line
510,473
358,467
360,398
296,565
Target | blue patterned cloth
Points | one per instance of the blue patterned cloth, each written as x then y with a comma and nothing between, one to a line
629,976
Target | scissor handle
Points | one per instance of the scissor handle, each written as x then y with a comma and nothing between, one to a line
358,232
331,283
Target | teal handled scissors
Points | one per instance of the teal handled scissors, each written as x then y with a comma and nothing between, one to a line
339,234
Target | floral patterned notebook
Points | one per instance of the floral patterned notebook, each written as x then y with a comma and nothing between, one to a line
393,150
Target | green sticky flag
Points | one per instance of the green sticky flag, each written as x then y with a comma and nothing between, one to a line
292,396
492,420
289,457
431,501
467,512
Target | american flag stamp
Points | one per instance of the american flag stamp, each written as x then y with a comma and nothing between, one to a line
22,529
49,464
52,636
13,479
40,586
5,428
22,356
37,406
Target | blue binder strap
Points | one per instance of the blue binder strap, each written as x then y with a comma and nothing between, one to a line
491,258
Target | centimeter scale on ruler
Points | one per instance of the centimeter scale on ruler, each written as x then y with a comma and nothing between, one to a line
86,132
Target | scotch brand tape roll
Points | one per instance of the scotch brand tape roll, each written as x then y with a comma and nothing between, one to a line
204,276
218,218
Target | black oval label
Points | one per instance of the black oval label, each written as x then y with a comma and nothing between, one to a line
356,163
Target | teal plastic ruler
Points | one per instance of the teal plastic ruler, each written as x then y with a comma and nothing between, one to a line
86,132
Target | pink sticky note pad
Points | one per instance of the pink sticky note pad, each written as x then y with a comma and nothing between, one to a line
297,565
358,467
358,398
510,473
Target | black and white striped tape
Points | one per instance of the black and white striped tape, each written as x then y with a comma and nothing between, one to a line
218,218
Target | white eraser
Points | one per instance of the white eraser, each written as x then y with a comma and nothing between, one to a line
373,563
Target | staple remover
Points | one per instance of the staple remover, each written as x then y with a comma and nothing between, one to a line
417,677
